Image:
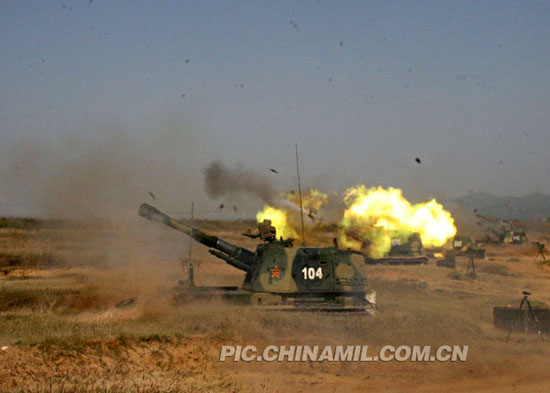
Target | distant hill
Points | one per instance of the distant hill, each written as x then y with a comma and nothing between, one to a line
530,207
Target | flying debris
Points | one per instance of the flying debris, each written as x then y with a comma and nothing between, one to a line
222,206
126,303
273,170
152,195
235,208
294,24
417,159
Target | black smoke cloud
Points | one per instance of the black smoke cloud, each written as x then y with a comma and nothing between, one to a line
222,181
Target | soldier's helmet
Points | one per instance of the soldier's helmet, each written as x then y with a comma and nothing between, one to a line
267,231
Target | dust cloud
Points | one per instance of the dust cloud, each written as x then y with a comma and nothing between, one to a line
80,178
95,187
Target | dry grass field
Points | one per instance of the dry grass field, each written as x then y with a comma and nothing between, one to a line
60,331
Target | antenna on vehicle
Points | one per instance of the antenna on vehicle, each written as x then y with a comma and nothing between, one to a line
190,274
300,195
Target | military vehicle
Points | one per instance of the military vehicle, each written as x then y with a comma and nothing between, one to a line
515,237
502,231
402,253
460,246
463,245
278,276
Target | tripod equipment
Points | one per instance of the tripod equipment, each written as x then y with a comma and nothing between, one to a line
471,268
541,251
529,315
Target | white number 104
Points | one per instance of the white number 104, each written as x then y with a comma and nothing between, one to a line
310,273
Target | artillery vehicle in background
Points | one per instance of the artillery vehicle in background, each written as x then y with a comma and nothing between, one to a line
463,245
277,275
502,231
402,253
460,246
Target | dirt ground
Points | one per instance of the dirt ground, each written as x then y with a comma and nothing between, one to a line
60,331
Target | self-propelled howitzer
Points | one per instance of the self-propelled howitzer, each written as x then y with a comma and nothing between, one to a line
280,276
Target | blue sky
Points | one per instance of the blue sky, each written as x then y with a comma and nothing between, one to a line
363,87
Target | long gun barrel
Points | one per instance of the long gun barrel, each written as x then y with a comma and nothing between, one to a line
239,257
